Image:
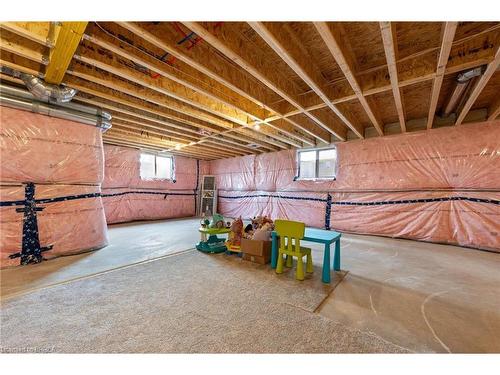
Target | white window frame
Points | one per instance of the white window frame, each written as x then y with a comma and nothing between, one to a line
316,170
155,178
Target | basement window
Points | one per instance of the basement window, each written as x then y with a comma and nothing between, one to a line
154,167
317,164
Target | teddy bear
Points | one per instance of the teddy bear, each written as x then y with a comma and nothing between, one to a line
234,237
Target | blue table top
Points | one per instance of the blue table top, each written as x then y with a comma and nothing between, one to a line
320,235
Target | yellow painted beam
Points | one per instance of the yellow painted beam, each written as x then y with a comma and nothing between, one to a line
66,44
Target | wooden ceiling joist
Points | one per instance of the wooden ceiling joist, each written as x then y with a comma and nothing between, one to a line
388,30
87,79
478,88
66,43
15,47
235,106
339,49
448,34
281,43
160,143
147,147
222,77
264,74
166,83
38,32
156,95
204,100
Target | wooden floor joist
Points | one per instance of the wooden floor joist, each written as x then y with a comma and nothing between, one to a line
200,88
448,34
262,73
336,44
291,54
478,88
388,31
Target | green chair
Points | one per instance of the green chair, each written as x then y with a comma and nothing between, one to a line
291,232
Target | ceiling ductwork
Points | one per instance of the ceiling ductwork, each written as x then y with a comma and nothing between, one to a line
47,92
464,84
40,89
26,100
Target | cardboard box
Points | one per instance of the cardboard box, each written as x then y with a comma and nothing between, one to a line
256,251
257,259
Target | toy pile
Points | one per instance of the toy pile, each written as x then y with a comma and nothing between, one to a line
260,229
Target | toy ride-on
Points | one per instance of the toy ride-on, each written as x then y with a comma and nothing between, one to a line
209,242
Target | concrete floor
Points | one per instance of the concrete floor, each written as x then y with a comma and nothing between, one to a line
423,297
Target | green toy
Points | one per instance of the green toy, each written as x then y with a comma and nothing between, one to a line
213,244
217,221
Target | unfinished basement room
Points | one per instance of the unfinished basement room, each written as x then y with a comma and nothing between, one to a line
299,186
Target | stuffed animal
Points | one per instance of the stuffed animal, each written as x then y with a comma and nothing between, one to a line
248,231
259,221
217,221
263,233
234,237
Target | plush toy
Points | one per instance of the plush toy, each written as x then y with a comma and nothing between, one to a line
248,231
234,237
217,221
259,221
263,233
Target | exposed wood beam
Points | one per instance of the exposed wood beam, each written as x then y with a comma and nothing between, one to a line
338,46
448,34
175,50
277,40
192,80
264,74
478,88
67,41
158,92
150,111
18,49
475,53
35,31
111,140
121,99
388,31
152,141
115,99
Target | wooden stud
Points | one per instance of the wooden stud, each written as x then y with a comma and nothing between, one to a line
448,34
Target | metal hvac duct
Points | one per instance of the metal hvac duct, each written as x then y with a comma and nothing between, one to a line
40,89
45,91
462,87
20,99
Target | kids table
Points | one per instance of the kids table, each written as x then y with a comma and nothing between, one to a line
326,237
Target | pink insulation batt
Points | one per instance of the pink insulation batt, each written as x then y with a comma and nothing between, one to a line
63,158
127,197
440,185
